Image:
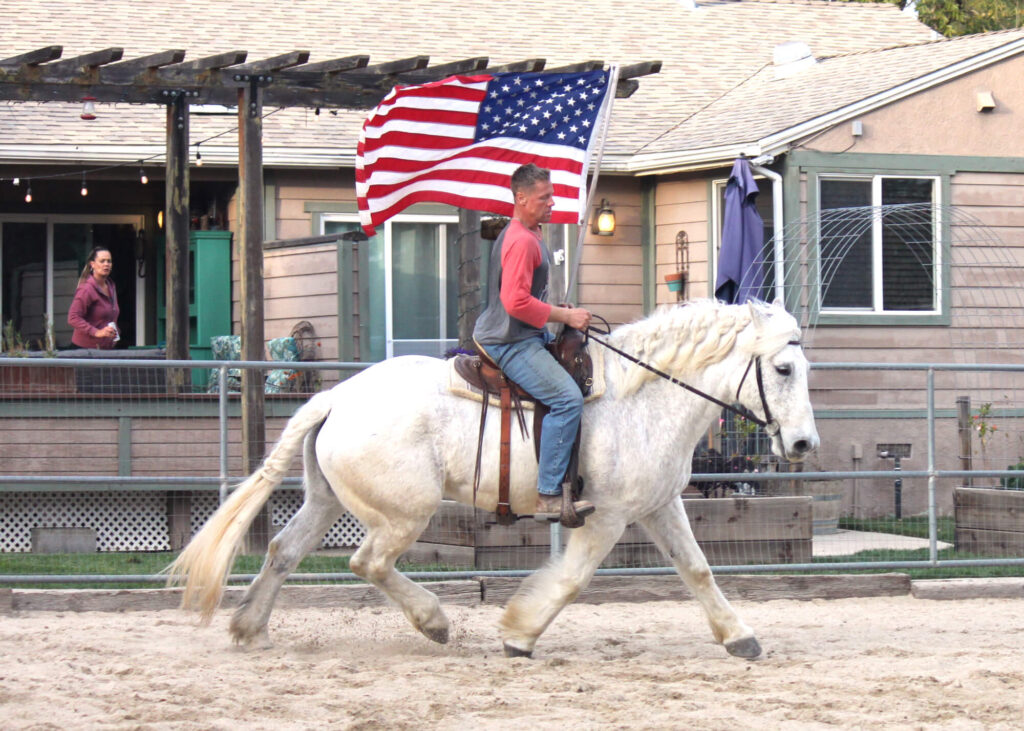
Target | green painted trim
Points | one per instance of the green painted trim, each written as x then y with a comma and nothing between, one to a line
205,406
346,346
648,241
946,242
269,212
791,212
710,254
936,320
329,207
947,164
124,446
363,255
817,164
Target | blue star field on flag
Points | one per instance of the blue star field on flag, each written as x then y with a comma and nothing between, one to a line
558,108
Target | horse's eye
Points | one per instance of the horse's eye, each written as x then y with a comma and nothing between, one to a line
784,370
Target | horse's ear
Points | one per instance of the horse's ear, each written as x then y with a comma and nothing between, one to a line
757,314
779,303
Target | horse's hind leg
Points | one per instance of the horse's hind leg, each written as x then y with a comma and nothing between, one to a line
375,562
670,530
319,511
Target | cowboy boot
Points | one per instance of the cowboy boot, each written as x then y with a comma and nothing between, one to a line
552,508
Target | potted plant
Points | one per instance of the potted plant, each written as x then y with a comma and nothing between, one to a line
676,281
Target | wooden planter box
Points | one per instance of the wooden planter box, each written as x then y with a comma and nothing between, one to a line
731,531
989,522
36,380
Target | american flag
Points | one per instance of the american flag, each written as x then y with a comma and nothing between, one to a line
458,141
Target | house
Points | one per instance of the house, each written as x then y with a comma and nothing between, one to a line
835,104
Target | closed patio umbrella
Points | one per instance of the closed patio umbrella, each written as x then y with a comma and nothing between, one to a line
742,238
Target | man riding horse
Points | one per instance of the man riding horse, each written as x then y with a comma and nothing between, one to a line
512,332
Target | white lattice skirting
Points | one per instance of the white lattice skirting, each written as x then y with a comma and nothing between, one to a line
135,521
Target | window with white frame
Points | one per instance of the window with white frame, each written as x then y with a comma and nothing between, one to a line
411,283
878,239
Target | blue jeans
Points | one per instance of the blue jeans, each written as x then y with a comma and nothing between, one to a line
529,364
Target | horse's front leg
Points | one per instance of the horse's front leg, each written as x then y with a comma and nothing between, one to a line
670,530
543,594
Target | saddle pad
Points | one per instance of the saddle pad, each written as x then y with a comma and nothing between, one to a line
458,385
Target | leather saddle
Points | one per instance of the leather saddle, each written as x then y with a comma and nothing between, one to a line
570,350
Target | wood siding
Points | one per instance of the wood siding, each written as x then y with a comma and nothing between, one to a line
611,274
681,204
160,447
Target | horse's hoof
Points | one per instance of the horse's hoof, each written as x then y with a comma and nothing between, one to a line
512,651
438,634
258,641
747,648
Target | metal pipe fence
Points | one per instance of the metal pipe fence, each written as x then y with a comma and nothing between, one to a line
102,450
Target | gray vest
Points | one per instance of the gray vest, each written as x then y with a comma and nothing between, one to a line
495,326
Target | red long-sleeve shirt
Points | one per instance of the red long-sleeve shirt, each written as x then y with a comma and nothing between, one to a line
520,256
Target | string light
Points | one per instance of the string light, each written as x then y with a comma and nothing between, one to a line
85,188
89,104
28,193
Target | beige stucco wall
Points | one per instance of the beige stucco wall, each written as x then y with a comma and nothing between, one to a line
944,120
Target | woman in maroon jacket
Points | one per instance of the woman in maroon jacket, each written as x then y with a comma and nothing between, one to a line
94,309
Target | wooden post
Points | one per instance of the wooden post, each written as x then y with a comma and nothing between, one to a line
250,184
470,275
963,426
176,273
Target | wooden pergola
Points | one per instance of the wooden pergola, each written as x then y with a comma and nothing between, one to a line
288,80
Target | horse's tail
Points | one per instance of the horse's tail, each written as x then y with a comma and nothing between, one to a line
204,563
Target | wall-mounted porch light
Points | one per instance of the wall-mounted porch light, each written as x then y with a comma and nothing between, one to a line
604,219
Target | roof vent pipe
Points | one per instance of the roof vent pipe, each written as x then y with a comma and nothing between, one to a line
689,4
791,57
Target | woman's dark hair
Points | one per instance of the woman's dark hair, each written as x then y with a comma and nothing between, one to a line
87,269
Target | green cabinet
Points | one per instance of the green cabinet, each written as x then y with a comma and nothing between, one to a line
209,293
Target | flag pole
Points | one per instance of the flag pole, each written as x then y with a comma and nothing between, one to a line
606,116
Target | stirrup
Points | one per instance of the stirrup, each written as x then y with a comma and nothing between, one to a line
571,516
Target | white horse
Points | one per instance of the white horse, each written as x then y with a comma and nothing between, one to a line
391,442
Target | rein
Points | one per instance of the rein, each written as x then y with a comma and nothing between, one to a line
769,424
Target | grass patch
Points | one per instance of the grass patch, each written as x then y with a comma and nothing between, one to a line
915,525
139,563
148,563
925,572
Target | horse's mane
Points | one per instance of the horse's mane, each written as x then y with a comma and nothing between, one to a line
682,339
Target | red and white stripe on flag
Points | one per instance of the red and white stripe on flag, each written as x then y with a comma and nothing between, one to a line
458,141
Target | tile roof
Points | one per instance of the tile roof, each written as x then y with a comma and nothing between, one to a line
707,53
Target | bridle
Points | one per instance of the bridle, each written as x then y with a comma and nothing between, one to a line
768,423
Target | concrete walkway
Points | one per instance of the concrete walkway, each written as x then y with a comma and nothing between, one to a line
848,542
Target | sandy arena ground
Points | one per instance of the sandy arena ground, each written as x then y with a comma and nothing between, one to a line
876,662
